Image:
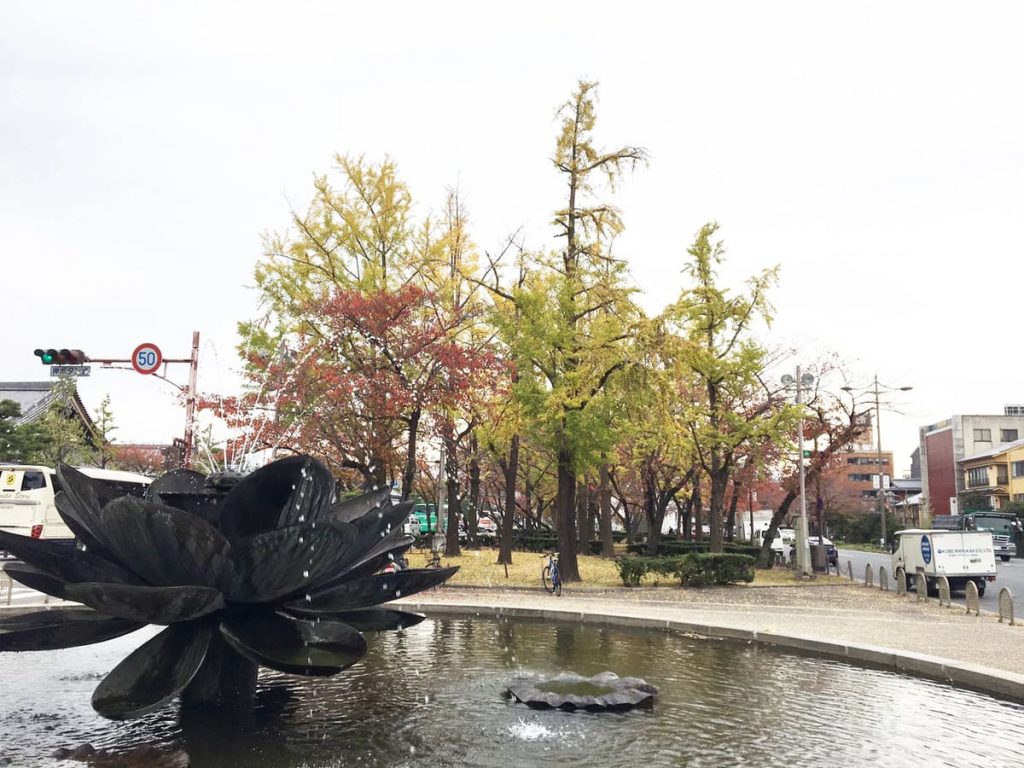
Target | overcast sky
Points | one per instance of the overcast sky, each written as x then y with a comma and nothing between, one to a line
873,151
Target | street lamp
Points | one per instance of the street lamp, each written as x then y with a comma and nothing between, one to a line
878,445
803,550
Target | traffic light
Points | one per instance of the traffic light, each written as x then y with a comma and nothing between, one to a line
61,356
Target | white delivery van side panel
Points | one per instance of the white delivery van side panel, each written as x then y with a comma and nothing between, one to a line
945,553
964,552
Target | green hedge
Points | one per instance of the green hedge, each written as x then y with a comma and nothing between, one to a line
537,542
704,569
697,569
671,547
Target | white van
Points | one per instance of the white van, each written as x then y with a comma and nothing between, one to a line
785,539
960,556
27,493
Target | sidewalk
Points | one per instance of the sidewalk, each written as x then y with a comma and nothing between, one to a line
853,622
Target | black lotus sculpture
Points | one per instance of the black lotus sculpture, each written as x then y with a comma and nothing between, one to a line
605,691
263,570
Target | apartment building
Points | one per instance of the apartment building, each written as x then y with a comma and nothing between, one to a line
946,443
997,475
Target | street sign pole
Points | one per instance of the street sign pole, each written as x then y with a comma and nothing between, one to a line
146,359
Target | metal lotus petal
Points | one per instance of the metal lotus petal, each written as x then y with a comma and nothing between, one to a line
82,525
348,510
86,495
377,619
290,491
376,558
279,563
185,489
79,503
151,605
294,645
55,628
35,579
154,673
176,481
371,590
165,546
378,525
63,562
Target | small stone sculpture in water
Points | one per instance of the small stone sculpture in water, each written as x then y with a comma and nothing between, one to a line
569,691
263,570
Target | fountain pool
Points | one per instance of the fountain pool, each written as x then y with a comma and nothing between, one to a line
432,695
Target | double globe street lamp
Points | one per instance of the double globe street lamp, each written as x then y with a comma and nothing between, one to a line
803,550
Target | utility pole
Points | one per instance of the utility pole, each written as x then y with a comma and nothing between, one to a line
190,401
878,389
881,475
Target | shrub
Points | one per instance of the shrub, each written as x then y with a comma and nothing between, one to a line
631,570
672,547
703,569
537,541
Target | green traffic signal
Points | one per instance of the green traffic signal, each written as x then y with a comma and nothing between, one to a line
61,356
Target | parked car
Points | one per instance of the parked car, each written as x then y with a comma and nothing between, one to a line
486,528
831,553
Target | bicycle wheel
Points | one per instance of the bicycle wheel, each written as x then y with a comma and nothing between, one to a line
545,579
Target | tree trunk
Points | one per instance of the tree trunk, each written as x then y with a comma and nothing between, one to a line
451,463
511,473
765,558
730,525
409,476
651,511
605,501
473,509
582,511
719,480
697,505
565,509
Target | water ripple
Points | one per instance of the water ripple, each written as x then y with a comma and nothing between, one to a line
432,695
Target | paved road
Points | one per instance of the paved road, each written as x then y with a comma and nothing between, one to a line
1010,574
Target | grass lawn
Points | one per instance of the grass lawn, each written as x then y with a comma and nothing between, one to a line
479,568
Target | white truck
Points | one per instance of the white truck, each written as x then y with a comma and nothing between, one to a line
785,539
960,556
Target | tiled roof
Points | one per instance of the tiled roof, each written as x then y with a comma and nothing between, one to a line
34,398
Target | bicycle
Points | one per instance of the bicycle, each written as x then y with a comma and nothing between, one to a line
550,576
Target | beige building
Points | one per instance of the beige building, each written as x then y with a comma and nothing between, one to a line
997,474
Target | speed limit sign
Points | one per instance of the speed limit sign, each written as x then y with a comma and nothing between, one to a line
146,358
